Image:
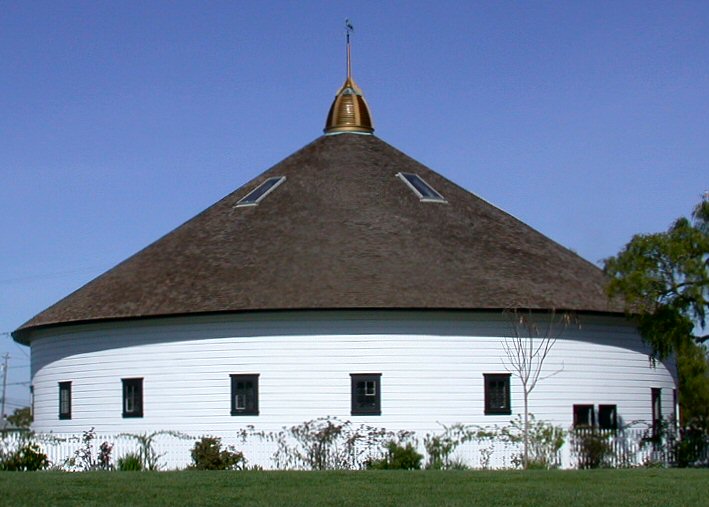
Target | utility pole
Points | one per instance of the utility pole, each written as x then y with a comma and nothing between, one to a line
4,387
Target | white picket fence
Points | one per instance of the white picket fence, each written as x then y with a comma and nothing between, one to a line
171,451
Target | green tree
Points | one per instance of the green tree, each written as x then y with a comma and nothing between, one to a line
21,418
693,368
663,279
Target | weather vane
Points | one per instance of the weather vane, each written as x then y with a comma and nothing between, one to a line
348,30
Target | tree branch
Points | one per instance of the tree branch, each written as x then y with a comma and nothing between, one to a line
701,339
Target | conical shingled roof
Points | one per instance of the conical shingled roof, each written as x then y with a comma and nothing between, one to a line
341,232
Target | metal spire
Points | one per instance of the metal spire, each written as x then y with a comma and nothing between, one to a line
349,111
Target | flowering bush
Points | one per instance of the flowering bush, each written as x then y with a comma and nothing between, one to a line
26,458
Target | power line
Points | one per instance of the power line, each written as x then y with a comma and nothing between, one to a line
12,399
21,404
21,349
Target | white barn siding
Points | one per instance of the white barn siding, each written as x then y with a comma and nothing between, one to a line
432,366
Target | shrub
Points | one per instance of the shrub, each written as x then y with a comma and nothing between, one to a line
104,456
457,464
27,458
593,449
397,457
662,439
326,443
149,458
692,449
440,447
545,441
207,454
130,463
83,458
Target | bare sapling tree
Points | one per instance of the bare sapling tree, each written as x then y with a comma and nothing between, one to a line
526,350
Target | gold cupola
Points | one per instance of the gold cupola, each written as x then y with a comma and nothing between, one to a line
349,111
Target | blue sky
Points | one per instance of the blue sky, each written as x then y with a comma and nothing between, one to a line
589,121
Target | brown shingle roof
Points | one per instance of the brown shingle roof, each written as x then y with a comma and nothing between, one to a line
341,232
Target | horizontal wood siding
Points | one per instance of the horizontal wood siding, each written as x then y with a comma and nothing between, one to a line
432,367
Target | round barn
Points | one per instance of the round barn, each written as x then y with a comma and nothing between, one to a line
348,280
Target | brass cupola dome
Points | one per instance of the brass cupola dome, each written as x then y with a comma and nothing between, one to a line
349,111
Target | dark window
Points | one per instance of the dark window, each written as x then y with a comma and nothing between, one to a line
607,417
244,394
64,400
584,416
656,410
366,393
497,394
257,194
423,190
132,397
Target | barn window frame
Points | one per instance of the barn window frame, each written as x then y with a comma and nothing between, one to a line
244,394
366,393
259,193
132,397
420,187
497,394
65,400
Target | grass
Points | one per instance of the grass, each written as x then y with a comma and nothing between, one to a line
646,487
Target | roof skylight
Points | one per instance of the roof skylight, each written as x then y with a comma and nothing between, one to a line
258,193
423,190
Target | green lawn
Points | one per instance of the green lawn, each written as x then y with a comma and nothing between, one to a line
646,487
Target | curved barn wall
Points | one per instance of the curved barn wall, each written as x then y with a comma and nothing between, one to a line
432,366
